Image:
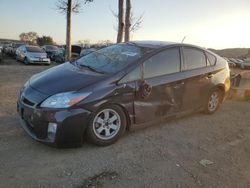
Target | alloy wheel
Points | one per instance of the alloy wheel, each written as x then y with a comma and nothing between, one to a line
213,101
106,124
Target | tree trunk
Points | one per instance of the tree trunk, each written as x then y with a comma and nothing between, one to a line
128,21
120,21
68,31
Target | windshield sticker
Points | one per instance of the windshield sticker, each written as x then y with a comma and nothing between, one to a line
129,53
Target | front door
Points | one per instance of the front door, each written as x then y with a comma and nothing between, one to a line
160,92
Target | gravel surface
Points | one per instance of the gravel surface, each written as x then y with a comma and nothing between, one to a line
193,151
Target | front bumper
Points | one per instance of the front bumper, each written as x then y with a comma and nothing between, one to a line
71,124
39,60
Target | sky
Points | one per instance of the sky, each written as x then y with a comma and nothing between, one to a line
207,23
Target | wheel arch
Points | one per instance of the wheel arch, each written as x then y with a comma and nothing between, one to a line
221,87
128,119
103,104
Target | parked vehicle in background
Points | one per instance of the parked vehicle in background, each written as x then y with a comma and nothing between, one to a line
8,49
87,51
5,46
14,47
75,51
59,57
32,55
50,50
1,53
245,64
230,63
236,61
118,87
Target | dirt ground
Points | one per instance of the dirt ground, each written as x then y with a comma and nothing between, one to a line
167,154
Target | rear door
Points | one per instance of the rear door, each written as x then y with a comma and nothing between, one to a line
160,91
198,75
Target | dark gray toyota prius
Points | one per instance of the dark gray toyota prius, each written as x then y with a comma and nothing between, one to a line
101,94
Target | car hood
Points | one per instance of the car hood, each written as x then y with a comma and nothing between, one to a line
36,54
64,78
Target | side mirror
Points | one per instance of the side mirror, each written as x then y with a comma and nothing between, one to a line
144,89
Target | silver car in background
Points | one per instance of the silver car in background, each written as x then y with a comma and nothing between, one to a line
245,64
32,55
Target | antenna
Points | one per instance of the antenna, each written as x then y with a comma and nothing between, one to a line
183,39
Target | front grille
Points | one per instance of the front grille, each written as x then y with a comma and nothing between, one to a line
28,102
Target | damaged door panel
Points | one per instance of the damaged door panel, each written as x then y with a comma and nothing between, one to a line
198,78
160,92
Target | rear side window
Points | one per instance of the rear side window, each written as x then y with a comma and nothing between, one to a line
165,62
194,58
211,59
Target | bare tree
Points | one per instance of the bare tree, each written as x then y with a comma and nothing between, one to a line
84,43
120,16
30,37
44,40
135,22
69,6
128,20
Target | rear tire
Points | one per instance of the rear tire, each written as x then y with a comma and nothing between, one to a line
213,101
106,126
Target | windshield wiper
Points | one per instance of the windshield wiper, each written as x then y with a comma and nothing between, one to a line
90,68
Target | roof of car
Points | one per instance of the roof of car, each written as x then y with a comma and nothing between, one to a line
152,44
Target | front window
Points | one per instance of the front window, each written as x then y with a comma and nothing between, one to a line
112,59
163,63
34,49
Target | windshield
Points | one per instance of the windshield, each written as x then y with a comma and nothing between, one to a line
34,49
112,59
52,48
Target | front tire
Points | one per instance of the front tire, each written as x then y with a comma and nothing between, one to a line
25,61
107,125
213,101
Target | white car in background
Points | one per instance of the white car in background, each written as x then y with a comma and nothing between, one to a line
32,55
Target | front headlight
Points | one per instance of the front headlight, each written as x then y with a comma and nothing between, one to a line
64,100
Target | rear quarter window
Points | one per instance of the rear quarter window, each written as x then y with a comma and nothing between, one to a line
211,59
